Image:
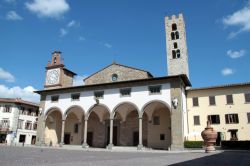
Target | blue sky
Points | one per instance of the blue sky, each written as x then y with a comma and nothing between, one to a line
93,33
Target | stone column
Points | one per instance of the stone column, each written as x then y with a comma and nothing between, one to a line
85,144
111,134
140,146
62,134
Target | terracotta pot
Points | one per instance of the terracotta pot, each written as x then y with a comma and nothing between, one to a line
209,136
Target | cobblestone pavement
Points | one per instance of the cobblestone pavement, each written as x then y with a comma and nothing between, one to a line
27,156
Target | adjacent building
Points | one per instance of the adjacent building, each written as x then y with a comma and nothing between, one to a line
18,121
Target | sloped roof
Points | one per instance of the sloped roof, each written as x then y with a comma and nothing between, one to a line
221,86
114,63
18,101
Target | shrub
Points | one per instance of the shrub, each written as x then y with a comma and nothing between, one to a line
235,145
193,144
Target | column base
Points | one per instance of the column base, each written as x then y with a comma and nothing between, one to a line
139,147
85,145
110,146
61,144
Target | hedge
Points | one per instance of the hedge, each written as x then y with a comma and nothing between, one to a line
245,145
193,144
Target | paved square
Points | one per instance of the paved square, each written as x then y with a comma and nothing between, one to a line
20,156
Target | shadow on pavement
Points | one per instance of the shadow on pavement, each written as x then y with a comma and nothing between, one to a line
227,158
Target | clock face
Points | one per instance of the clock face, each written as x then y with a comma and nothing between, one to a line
53,76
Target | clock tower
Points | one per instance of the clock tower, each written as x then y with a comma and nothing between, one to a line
57,75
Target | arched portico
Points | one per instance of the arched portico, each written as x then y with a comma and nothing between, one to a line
125,124
73,132
97,120
156,125
53,126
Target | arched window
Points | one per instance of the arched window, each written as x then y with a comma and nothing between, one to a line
55,60
172,36
175,45
174,27
176,35
174,54
178,54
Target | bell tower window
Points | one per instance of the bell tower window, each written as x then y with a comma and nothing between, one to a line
174,54
173,36
55,60
178,54
175,45
174,27
176,35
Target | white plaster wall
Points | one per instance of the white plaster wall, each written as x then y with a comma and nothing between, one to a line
139,96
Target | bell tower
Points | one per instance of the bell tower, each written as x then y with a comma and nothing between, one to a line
177,55
56,74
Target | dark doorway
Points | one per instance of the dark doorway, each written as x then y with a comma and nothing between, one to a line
33,140
234,136
90,138
115,135
218,140
135,138
22,138
66,139
2,138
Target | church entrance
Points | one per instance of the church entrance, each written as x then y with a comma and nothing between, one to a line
67,139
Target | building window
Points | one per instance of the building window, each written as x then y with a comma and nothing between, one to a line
173,36
76,128
125,92
20,124
35,126
178,53
156,120
175,45
28,125
162,137
174,54
155,89
196,120
231,118
211,100
7,108
195,102
99,94
174,27
75,96
247,97
214,119
114,77
229,99
55,98
176,35
248,117
21,110
5,123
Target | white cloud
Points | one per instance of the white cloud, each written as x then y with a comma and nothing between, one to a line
73,23
236,54
62,32
12,15
107,45
78,80
239,18
81,38
17,92
48,8
227,71
7,76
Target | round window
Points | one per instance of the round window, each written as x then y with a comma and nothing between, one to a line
114,77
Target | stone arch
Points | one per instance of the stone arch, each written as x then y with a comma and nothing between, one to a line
68,110
53,126
152,101
120,104
52,109
156,117
92,109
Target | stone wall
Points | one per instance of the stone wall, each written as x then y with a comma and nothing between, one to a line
124,73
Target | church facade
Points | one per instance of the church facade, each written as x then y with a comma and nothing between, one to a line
121,105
